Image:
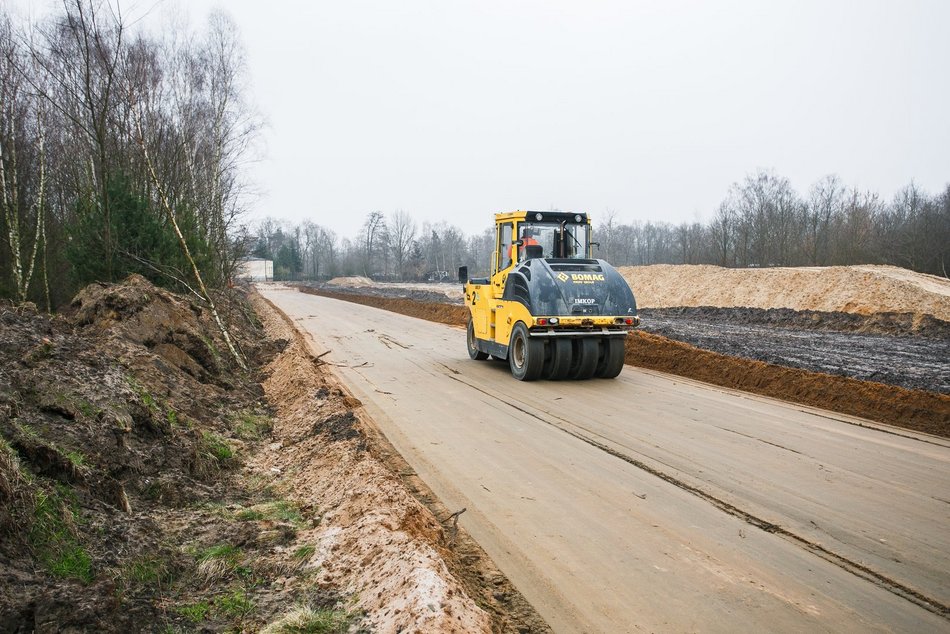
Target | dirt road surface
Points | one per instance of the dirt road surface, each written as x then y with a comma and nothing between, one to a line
652,502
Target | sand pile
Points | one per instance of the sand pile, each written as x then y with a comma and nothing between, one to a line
853,289
352,281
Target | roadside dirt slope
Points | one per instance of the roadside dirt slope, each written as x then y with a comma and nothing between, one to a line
854,289
123,429
373,538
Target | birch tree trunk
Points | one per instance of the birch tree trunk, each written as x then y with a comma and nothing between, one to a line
172,218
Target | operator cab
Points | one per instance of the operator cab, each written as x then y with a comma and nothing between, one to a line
548,235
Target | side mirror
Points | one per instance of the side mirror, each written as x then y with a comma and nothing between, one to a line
463,275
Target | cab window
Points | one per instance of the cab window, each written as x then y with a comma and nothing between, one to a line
504,246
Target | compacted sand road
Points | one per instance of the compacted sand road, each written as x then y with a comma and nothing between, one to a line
654,503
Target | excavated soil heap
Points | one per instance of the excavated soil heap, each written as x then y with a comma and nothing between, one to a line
853,289
912,409
116,428
352,281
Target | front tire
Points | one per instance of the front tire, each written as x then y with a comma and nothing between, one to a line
525,355
473,350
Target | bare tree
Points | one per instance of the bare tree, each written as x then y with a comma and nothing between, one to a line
402,234
23,167
723,230
825,201
374,229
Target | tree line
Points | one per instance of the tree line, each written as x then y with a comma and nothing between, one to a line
120,152
762,222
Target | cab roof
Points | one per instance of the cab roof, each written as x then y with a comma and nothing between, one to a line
546,216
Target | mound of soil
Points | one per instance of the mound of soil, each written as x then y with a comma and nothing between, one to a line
844,344
912,409
431,292
890,324
351,281
851,289
125,506
442,313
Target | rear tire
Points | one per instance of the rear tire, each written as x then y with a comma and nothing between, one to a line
559,364
525,355
473,350
586,356
611,358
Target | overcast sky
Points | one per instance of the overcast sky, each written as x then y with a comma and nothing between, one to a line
457,110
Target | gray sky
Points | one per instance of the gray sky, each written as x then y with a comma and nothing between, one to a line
456,110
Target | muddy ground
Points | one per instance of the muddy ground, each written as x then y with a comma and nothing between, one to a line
917,409
148,484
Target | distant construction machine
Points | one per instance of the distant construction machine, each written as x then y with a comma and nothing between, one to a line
549,308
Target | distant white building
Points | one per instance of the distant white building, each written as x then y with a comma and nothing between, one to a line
255,269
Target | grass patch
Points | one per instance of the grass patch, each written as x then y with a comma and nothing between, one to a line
144,395
145,571
222,551
234,605
279,511
212,453
304,553
77,458
172,418
218,561
307,620
28,431
216,447
71,562
251,426
53,535
194,612
87,409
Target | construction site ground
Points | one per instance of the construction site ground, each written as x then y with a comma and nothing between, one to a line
147,483
653,502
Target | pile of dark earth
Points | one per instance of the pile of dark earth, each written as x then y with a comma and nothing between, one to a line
418,295
124,503
893,348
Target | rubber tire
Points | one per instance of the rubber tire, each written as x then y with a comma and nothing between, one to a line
559,362
611,358
586,356
473,351
525,354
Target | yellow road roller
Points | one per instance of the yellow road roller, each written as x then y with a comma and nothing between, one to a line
548,307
